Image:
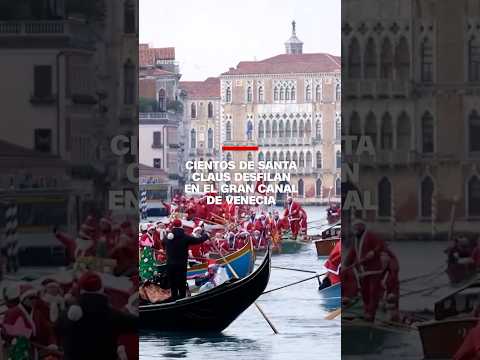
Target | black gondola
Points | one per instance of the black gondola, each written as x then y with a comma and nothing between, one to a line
212,311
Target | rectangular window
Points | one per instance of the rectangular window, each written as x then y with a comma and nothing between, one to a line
427,63
157,163
43,140
157,139
42,80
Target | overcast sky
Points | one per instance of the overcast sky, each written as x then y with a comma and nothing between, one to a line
210,36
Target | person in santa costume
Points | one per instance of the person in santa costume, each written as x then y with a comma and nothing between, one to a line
106,237
147,259
277,226
24,324
52,297
333,265
293,214
124,253
128,343
364,256
90,328
391,283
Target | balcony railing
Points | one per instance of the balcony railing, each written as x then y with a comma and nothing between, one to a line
77,31
377,88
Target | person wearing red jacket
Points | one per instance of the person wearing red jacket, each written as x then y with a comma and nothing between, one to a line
293,214
391,283
364,256
332,265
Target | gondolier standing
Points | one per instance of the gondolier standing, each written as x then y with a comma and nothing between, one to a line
293,213
364,256
176,245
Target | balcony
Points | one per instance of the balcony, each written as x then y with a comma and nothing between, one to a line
377,89
70,33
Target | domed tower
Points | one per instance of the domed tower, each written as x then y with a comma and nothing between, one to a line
294,45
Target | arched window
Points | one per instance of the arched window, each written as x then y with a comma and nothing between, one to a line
308,128
249,157
210,138
384,198
282,93
370,60
426,61
371,128
318,129
318,188
294,129
338,158
474,59
474,132
293,93
275,93
338,187
402,59
354,61
268,157
319,160
386,56
473,196
309,160
281,156
426,195
295,158
260,156
193,139
261,130
129,83
260,95
338,92
193,111
287,156
129,18
288,129
274,129
281,133
338,128
229,156
210,110
428,142
228,131
301,160
318,93
386,140
308,93
287,94
301,129
268,130
275,156
228,95
161,101
403,132
249,130
249,94
301,190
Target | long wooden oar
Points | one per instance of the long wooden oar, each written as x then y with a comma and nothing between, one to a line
293,269
333,314
275,331
294,283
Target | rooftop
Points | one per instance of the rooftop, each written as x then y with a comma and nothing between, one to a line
289,64
149,56
210,88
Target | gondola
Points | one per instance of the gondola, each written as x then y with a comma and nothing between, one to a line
211,311
331,296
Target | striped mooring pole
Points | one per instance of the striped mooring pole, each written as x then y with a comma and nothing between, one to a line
434,214
10,246
143,203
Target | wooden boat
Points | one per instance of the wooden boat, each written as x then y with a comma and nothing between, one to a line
331,296
211,311
329,238
453,321
242,262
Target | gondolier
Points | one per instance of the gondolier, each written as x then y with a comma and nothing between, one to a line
332,265
176,245
293,213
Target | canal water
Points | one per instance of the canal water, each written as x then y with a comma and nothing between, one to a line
296,312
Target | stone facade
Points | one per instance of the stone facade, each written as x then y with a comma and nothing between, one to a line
411,85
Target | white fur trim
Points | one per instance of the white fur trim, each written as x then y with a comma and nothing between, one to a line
170,236
12,292
75,313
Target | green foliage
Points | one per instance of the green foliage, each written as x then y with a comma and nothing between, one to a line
147,105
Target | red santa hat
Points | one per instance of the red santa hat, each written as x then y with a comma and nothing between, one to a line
177,223
150,226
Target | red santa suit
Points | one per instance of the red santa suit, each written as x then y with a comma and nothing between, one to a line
292,213
470,348
333,264
390,281
369,271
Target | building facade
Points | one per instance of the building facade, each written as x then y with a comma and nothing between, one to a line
412,75
289,105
